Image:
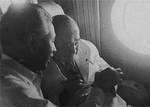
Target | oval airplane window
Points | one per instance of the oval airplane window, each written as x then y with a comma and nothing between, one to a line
131,24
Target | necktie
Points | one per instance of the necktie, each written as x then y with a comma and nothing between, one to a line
71,69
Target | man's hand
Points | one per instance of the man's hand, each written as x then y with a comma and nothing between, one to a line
72,85
119,73
107,79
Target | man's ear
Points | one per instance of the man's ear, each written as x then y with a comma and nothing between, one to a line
33,43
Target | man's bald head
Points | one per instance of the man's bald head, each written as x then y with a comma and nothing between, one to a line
27,35
63,21
19,21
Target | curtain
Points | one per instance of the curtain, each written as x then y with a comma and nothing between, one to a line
88,18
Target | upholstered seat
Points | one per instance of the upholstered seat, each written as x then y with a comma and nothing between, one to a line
52,8
0,37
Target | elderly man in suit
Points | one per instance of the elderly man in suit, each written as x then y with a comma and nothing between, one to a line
73,65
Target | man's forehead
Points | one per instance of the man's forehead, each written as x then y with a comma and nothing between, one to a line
68,27
46,28
67,39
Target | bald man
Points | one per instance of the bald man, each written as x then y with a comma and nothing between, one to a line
73,65
27,38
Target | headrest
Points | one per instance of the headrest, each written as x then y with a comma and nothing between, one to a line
52,8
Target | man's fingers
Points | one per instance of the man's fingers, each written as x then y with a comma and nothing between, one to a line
73,82
119,74
119,71
74,85
78,81
73,77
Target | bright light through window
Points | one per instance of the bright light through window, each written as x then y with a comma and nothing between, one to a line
131,24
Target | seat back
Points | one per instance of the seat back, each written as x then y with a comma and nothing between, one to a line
52,8
0,34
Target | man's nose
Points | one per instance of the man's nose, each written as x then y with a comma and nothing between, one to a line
54,48
73,49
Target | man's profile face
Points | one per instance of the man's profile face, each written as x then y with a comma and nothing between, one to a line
67,41
47,46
